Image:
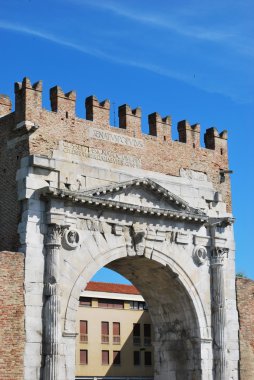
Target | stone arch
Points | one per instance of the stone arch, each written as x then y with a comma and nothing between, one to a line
188,314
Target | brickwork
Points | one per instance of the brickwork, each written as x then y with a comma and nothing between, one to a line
245,303
34,130
12,334
13,146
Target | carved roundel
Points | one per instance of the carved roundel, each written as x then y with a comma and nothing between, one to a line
200,254
71,238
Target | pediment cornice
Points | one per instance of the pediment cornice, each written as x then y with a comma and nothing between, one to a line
176,208
143,183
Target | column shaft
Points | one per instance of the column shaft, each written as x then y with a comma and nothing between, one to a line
51,310
218,314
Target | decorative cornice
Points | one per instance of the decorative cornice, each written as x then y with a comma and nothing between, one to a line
186,214
142,182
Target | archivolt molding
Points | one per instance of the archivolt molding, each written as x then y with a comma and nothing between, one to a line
101,259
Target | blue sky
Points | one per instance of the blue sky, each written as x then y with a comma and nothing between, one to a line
193,60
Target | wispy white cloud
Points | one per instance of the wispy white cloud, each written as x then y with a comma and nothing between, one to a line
229,36
86,50
170,23
49,37
114,58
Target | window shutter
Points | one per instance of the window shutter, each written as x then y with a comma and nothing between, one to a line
83,357
136,358
136,329
147,330
148,358
83,327
116,328
105,357
105,328
116,357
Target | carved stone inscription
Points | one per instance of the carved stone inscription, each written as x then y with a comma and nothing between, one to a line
100,154
114,158
79,150
115,138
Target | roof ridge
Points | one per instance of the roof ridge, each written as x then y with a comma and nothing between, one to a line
110,287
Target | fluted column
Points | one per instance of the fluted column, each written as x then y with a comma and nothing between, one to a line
218,312
51,311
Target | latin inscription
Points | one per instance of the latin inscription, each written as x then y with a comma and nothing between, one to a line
100,154
114,158
79,150
115,138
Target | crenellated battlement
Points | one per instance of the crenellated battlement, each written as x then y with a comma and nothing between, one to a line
189,134
160,127
216,140
97,111
28,98
28,101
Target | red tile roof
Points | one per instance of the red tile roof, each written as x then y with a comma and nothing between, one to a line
111,288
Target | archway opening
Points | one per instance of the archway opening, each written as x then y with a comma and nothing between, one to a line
175,341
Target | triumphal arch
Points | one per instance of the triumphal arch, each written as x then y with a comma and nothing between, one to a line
79,194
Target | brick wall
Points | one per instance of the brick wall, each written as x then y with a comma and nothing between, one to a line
245,304
13,146
11,316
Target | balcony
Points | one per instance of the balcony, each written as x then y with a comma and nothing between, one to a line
136,340
83,338
105,339
116,339
147,341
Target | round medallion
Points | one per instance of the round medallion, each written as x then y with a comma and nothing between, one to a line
199,254
71,238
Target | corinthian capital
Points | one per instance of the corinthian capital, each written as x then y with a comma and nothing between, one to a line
54,234
218,255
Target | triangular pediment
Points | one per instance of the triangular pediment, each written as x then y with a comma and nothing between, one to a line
140,192
143,193
139,196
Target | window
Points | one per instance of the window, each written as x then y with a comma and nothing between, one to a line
136,334
116,333
116,357
104,357
111,304
83,331
83,357
136,358
148,358
135,305
85,301
147,334
104,332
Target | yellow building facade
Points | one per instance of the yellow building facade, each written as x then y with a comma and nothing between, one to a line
114,334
